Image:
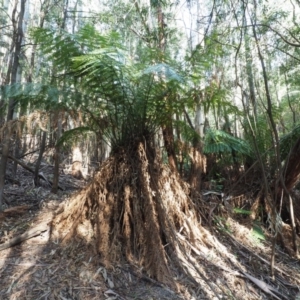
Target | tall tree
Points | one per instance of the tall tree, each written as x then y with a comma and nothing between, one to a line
11,78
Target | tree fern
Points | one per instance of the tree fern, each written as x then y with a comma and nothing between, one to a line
262,135
288,140
218,141
99,76
74,135
135,99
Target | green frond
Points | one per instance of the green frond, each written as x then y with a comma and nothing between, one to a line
61,47
288,140
40,96
73,136
263,135
164,71
218,141
188,133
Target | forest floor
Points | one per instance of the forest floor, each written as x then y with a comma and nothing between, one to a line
41,268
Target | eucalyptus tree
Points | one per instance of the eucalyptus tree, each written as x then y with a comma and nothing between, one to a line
265,43
12,77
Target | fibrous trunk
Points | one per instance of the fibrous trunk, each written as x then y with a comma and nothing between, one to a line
135,208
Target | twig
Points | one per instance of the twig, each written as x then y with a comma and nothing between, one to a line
261,284
256,255
25,236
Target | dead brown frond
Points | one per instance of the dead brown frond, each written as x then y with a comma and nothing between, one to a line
139,212
11,127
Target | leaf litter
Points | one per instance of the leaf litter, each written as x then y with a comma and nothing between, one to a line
225,264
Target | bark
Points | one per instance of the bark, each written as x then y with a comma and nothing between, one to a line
12,77
25,236
39,160
77,163
198,167
167,129
17,40
17,152
289,100
3,162
293,225
59,119
57,157
168,137
249,71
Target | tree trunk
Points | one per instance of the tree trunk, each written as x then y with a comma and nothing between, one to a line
249,71
39,160
59,117
77,163
57,156
167,129
292,167
198,167
168,137
12,77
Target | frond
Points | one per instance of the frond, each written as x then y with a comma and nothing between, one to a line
40,96
73,135
288,140
218,141
263,135
164,72
188,133
61,46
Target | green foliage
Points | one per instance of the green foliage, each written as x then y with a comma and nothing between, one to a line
257,232
40,96
218,141
288,140
222,225
242,211
187,132
73,135
262,136
61,46
164,71
135,101
135,97
96,74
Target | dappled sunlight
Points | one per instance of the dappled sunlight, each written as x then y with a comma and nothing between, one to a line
251,235
204,259
149,150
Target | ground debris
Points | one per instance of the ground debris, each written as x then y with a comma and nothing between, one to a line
212,263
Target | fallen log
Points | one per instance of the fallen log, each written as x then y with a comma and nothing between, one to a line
26,167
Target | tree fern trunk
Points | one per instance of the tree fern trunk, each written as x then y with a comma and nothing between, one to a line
169,146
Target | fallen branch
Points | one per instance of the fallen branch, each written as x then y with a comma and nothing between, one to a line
31,152
268,289
26,167
256,255
25,236
264,286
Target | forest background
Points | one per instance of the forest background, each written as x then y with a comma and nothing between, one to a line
170,109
